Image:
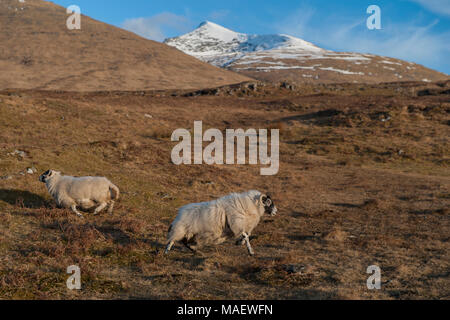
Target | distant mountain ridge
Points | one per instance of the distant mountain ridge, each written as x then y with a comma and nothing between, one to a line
282,57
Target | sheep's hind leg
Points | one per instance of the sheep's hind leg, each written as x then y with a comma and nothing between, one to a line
111,207
247,242
100,208
74,209
169,247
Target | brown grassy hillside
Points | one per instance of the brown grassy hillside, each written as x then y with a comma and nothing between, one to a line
334,68
38,52
364,179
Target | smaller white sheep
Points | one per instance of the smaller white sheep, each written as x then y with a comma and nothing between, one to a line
235,215
83,192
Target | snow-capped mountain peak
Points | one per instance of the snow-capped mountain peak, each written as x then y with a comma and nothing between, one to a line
216,31
220,46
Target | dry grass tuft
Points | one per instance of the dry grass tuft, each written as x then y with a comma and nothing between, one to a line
336,235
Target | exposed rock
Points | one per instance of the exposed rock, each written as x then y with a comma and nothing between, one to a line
287,85
19,153
294,268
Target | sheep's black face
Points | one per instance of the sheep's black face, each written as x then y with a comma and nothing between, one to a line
269,206
44,177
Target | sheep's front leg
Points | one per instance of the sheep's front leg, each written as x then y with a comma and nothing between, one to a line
74,209
240,241
247,242
100,207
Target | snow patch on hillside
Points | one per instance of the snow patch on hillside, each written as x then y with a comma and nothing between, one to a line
341,71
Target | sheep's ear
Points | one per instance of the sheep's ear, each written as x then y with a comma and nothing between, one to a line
54,173
265,200
261,199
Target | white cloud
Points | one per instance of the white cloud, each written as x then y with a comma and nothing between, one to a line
410,42
298,22
441,7
156,27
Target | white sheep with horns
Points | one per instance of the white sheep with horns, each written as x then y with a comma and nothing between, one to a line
235,215
84,192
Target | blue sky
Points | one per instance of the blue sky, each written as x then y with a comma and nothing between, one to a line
413,30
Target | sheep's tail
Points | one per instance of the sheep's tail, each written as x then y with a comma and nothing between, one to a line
115,193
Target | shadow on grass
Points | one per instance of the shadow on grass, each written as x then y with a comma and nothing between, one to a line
347,205
367,204
314,116
158,246
301,237
442,211
22,199
312,294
